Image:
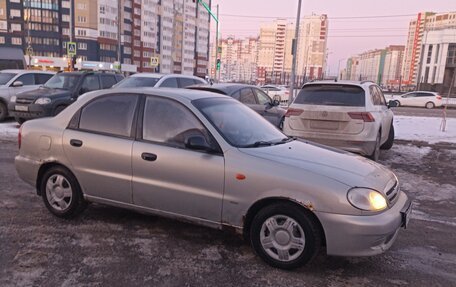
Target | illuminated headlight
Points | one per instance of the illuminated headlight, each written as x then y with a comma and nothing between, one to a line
43,101
13,99
366,199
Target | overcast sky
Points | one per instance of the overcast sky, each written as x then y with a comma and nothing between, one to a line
346,37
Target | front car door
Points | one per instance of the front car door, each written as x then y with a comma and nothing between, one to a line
170,178
28,84
271,112
98,144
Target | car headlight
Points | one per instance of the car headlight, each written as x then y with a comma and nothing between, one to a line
43,101
366,199
13,99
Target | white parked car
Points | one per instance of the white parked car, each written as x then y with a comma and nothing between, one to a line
273,91
13,82
425,99
352,116
157,80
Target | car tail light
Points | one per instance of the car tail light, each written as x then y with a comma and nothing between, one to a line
366,117
19,137
438,97
293,112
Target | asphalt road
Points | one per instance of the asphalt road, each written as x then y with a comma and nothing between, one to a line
108,246
422,112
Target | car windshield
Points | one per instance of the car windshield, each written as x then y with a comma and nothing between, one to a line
135,82
331,95
62,81
6,77
239,125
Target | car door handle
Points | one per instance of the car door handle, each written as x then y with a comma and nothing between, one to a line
76,143
149,156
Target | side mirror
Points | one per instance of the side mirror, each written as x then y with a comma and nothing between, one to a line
392,104
197,143
17,84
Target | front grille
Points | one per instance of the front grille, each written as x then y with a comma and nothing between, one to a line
392,193
24,101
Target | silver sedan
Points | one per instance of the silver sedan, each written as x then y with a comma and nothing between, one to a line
208,159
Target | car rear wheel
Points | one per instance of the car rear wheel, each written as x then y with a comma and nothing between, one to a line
430,105
376,153
3,112
389,142
284,236
61,193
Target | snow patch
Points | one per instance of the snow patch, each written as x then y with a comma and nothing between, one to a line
424,129
9,130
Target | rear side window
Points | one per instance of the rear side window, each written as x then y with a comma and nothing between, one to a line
109,115
247,97
169,83
185,82
90,83
41,79
331,95
107,81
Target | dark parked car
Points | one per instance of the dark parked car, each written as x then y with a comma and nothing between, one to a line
251,96
58,93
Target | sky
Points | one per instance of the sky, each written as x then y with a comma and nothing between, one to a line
347,37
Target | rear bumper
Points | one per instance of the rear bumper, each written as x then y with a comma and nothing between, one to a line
348,235
27,169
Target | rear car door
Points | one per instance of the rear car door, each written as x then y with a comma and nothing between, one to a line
166,175
248,98
98,144
409,99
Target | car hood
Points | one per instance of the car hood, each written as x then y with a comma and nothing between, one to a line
347,168
43,92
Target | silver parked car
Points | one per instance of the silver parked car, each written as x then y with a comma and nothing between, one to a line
208,159
352,116
13,82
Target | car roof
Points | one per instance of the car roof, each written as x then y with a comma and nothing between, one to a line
342,82
18,71
227,88
160,75
172,93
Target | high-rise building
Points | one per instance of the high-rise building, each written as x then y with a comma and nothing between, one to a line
416,36
132,31
239,60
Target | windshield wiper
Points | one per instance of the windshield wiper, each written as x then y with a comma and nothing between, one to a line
260,143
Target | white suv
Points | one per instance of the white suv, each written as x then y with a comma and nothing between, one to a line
353,116
159,81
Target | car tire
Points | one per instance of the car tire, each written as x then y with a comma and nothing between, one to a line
389,142
376,153
61,193
429,105
58,110
3,111
398,104
285,236
20,120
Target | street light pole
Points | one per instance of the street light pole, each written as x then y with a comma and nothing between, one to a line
294,51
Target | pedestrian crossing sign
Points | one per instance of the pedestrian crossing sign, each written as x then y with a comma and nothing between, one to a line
71,49
154,61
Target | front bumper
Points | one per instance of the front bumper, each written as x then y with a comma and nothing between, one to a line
349,235
30,111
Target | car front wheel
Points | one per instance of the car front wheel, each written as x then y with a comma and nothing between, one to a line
284,236
61,193
430,105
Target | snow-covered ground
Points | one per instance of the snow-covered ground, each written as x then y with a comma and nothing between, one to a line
407,128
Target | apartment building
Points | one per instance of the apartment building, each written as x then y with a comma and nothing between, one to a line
239,60
129,31
382,66
418,32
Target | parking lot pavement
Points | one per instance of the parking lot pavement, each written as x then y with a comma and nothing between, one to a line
114,247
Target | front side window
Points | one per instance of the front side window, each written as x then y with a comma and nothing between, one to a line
331,95
263,99
62,81
168,122
27,80
111,114
247,97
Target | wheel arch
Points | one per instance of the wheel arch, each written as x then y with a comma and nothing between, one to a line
45,167
257,206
